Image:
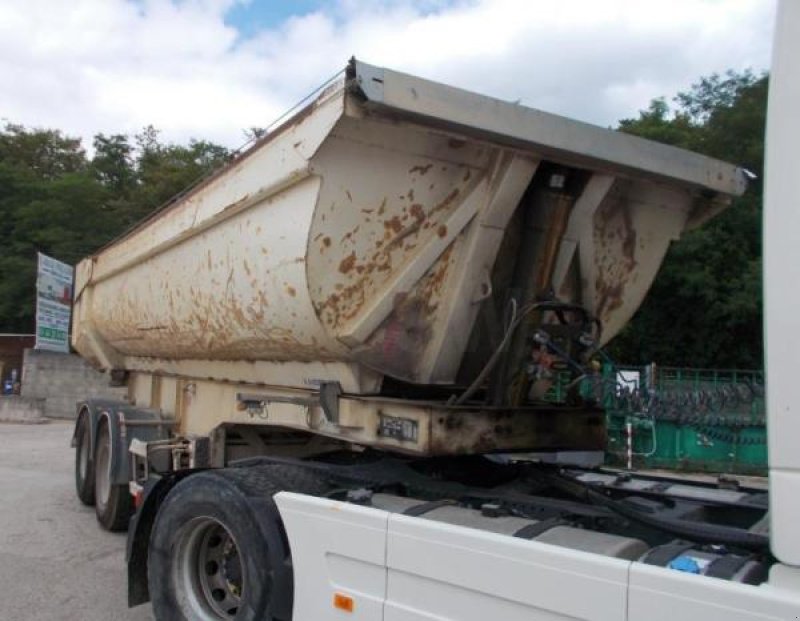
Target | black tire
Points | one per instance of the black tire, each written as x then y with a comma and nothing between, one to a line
84,464
112,502
189,578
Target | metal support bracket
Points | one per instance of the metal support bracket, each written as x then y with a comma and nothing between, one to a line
327,400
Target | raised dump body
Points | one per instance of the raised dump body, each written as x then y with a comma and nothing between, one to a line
396,243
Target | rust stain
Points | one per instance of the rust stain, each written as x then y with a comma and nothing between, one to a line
326,241
615,256
610,297
394,224
238,203
420,169
291,291
629,245
402,338
398,239
418,211
446,202
349,298
347,263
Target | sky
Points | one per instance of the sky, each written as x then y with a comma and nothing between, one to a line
209,69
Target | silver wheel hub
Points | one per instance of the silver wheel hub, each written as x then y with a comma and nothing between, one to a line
207,571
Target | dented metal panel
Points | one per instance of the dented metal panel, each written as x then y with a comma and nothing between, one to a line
360,241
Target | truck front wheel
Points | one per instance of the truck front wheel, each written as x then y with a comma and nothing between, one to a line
215,553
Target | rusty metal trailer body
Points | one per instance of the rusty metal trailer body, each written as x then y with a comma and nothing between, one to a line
367,250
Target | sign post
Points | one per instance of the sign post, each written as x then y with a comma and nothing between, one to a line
53,304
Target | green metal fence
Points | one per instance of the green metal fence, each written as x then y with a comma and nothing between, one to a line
685,419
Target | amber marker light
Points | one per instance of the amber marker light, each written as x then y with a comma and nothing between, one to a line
343,602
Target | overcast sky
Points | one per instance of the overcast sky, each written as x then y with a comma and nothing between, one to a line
209,68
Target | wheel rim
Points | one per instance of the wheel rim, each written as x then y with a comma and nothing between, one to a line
102,469
208,573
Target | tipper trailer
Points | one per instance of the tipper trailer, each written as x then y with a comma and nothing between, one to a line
338,352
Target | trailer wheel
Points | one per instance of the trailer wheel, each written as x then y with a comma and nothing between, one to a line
84,467
214,554
112,503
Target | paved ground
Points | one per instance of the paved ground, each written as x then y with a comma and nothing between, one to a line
55,561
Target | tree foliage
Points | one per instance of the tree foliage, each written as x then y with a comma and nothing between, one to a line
704,308
56,199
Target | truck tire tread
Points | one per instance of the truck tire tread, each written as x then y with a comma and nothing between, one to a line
266,481
84,482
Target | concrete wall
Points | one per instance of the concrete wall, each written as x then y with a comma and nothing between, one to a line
62,380
16,409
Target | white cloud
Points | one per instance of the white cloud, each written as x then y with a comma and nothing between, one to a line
114,66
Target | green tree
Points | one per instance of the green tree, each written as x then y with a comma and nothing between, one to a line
704,308
49,202
113,164
55,200
41,153
167,170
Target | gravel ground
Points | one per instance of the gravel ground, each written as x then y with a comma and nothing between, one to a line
55,561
